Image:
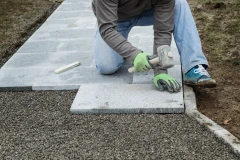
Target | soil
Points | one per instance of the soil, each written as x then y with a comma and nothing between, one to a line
219,29
18,21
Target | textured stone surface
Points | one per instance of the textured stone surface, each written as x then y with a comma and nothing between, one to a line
82,23
147,77
125,98
76,45
38,47
18,79
65,34
57,46
77,76
71,15
74,6
48,59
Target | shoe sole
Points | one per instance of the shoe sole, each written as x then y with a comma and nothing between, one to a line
205,84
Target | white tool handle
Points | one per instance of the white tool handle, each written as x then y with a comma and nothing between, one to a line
152,61
65,68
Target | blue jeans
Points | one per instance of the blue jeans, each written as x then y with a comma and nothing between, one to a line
185,34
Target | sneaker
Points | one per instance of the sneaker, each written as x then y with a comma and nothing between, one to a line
198,76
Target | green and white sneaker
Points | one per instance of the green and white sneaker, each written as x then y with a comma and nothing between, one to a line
198,76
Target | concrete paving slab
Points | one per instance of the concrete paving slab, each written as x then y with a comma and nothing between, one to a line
125,98
18,79
74,6
142,32
81,23
55,60
77,1
38,46
57,46
70,15
147,77
134,41
78,76
77,45
65,34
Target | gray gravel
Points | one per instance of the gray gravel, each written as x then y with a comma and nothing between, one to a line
38,125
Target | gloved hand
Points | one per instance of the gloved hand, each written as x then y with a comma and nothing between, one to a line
165,82
141,62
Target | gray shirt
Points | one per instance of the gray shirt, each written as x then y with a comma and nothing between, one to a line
109,12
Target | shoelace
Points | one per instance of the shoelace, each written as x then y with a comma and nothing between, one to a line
201,71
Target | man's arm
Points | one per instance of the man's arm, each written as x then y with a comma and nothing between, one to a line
163,23
163,27
106,13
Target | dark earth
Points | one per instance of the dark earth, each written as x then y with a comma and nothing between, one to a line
23,114
219,28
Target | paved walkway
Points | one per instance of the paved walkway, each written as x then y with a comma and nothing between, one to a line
67,37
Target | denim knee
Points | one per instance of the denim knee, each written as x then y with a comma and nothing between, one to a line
107,68
181,2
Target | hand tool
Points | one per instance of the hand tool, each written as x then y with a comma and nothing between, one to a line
164,58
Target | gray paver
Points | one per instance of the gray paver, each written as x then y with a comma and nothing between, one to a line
18,79
134,41
65,34
76,45
81,23
77,1
56,46
125,98
142,32
39,46
77,76
70,15
48,59
147,77
73,6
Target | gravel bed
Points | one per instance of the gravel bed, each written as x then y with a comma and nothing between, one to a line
38,125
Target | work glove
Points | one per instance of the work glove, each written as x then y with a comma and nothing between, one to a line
165,82
141,62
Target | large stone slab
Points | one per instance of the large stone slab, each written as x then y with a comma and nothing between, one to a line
18,79
125,98
147,77
71,15
78,6
55,60
66,34
142,32
75,77
57,46
87,22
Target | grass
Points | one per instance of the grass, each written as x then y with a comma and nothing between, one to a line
221,31
16,19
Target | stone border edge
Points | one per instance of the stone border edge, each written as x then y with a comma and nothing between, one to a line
221,133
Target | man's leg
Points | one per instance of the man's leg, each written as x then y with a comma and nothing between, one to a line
189,46
106,59
187,37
